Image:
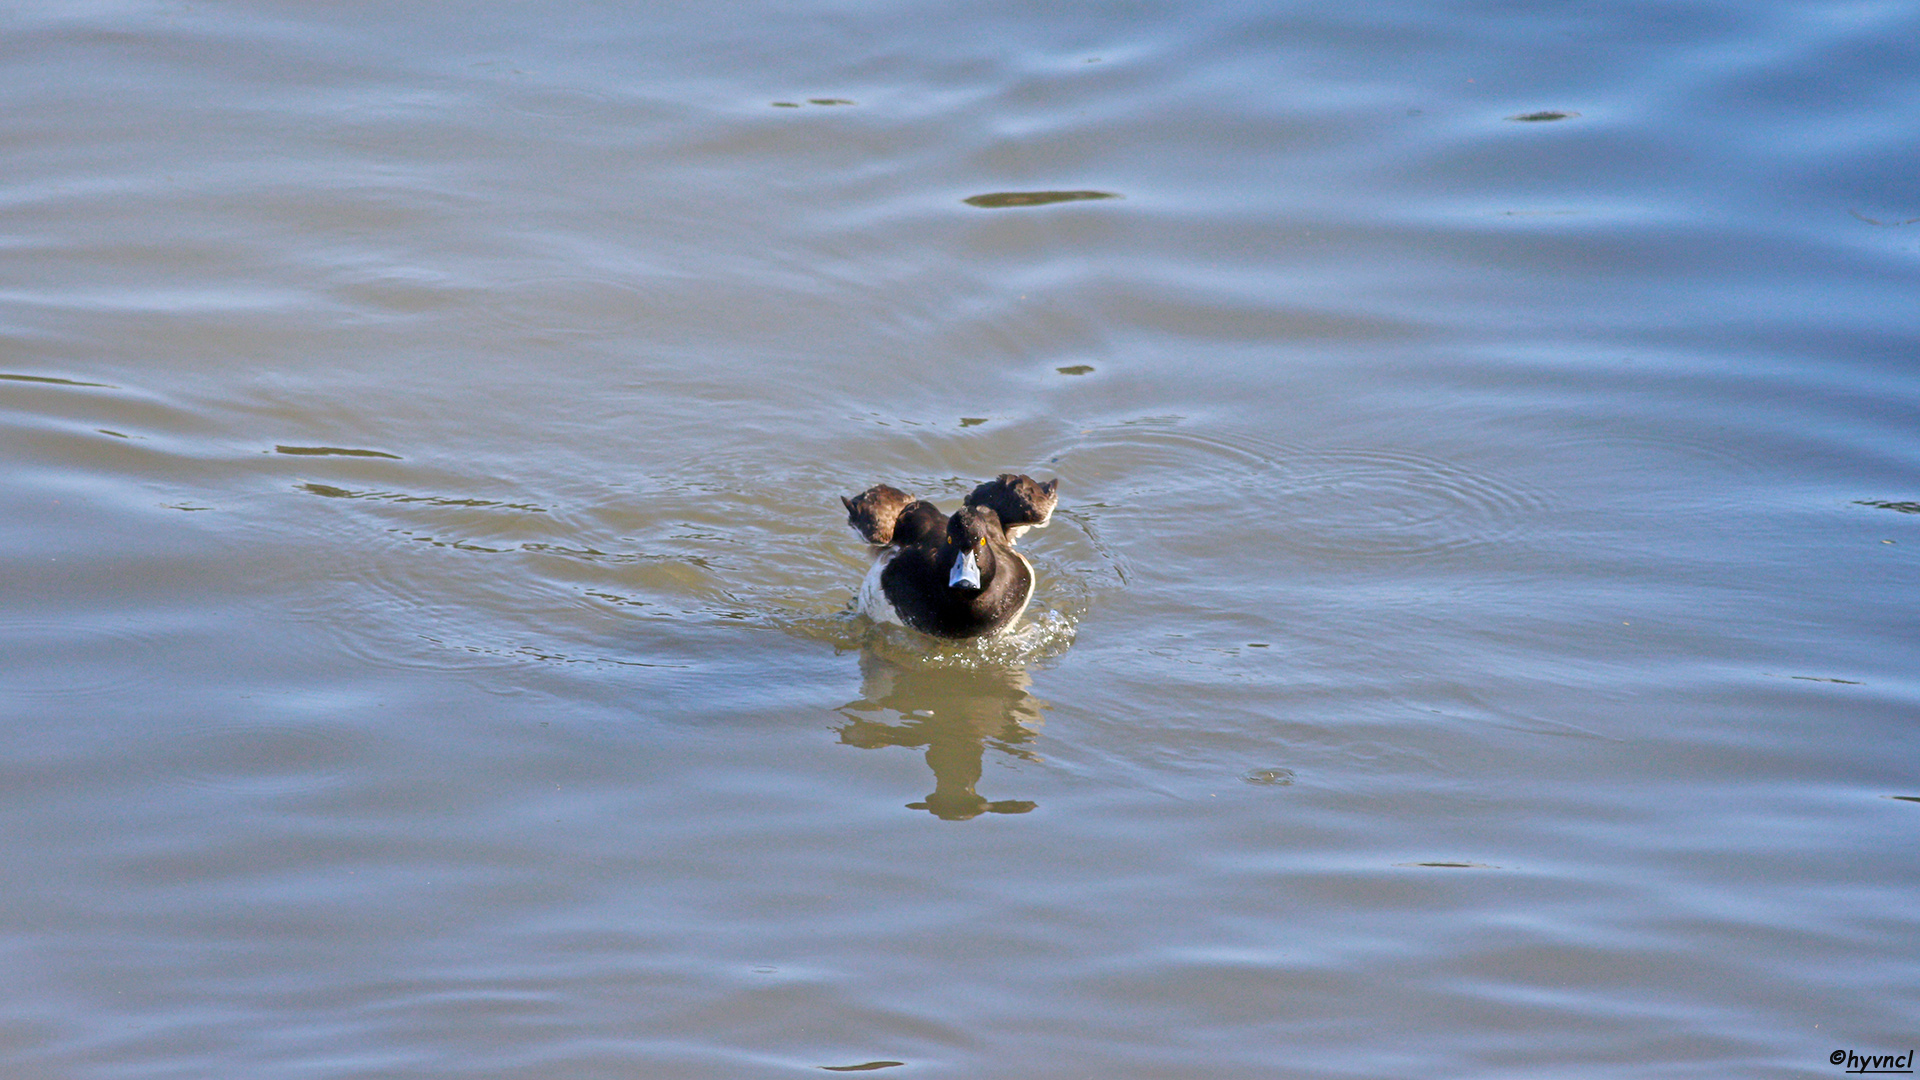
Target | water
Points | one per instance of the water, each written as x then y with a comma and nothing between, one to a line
1477,637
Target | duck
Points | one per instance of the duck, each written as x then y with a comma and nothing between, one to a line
954,576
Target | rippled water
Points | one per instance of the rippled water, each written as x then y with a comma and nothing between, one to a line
1477,636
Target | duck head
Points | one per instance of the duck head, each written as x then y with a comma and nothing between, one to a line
972,533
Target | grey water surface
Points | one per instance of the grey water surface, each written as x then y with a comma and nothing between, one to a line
1477,638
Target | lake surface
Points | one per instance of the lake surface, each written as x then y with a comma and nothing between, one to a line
1478,637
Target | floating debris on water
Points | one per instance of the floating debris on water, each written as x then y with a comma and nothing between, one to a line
1000,200
333,451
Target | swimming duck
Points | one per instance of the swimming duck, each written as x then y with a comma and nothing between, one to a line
955,578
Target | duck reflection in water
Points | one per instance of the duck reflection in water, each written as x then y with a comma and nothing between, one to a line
955,715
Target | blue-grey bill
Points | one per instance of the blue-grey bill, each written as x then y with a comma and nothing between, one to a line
966,571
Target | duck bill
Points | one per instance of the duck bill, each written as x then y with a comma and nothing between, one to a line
966,573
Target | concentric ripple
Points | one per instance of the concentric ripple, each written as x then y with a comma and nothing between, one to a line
268,757
576,304
1382,504
52,659
1355,502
